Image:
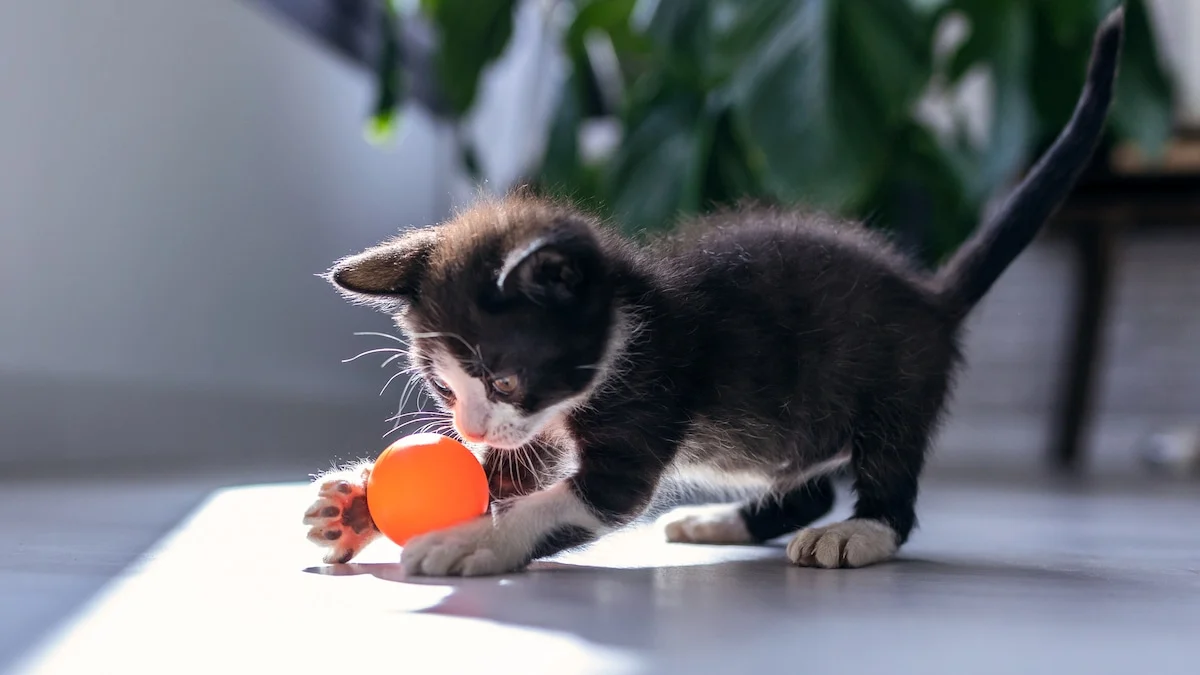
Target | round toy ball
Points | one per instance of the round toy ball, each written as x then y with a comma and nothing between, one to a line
422,483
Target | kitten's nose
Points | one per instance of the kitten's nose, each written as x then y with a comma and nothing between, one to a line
469,433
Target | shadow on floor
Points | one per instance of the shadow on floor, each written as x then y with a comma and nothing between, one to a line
643,607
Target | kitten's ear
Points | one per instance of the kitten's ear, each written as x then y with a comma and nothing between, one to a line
388,273
555,268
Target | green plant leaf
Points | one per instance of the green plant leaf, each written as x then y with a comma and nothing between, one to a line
1002,38
657,173
680,32
1070,24
680,27
739,31
560,161
925,196
887,47
607,20
1058,40
730,176
610,16
385,120
383,127
472,34
785,98
1143,107
1061,41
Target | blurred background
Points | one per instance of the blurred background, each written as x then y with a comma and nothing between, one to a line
174,174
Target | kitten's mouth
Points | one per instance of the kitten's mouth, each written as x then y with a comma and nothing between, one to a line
502,443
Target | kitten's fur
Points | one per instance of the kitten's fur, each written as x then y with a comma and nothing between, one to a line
769,345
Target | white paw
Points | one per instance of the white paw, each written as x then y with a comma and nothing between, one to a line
338,517
470,550
850,543
712,524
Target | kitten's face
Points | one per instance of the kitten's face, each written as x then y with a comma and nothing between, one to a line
508,310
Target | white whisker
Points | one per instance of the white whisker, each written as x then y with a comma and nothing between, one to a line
401,425
527,460
373,351
434,413
431,425
415,384
402,353
390,380
474,349
383,335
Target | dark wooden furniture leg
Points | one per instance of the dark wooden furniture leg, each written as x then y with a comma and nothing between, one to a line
1094,250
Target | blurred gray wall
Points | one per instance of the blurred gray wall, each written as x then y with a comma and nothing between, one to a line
172,176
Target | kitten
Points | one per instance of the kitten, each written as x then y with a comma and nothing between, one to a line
760,345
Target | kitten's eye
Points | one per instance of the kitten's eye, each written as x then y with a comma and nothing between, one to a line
506,385
440,384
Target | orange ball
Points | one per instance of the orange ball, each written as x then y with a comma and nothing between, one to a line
422,483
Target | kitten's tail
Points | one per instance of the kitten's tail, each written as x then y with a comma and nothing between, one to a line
972,270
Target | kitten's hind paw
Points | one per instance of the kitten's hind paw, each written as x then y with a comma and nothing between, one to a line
857,542
338,518
713,524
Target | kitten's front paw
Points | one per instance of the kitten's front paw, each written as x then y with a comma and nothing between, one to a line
471,549
857,542
712,524
338,517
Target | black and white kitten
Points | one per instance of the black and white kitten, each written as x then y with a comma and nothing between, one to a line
764,345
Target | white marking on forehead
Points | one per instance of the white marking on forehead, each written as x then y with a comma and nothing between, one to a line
515,257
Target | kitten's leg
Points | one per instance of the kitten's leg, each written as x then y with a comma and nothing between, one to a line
338,516
752,522
613,485
886,463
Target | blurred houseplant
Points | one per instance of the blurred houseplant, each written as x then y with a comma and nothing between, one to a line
795,101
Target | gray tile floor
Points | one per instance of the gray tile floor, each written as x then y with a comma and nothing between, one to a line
1000,578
